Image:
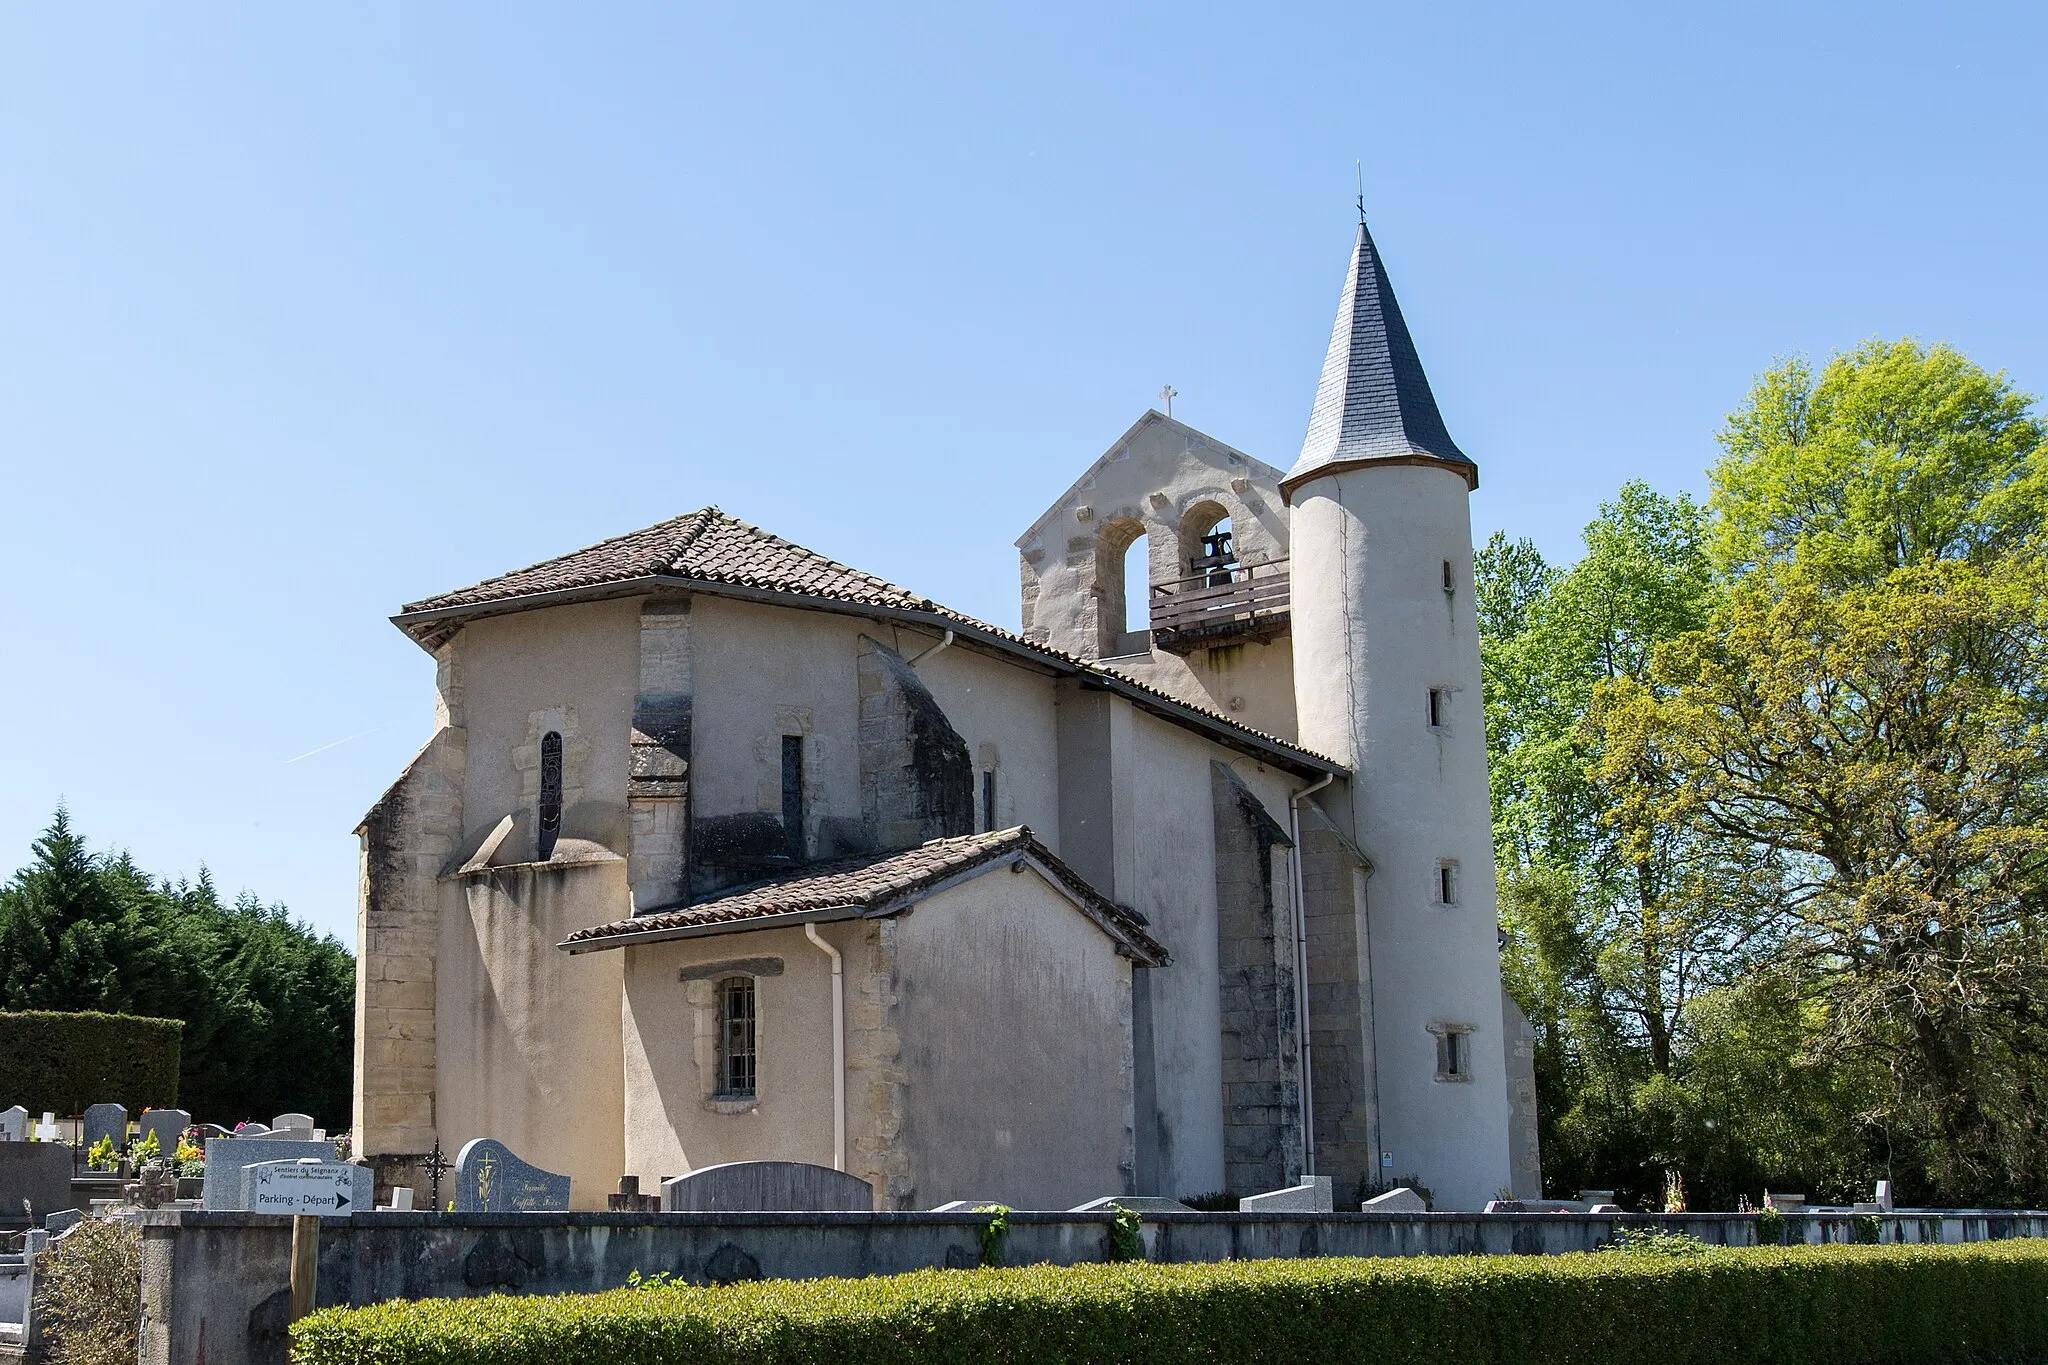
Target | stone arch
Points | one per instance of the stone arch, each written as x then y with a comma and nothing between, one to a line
1113,629
1198,520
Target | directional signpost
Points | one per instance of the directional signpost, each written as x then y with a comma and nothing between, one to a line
322,1189
308,1190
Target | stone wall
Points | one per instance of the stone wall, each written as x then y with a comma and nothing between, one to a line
1262,1147
916,775
1334,888
407,839
214,1286
658,789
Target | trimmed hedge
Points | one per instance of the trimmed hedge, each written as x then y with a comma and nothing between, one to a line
1841,1305
60,1063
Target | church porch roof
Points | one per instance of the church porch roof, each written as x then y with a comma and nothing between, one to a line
871,887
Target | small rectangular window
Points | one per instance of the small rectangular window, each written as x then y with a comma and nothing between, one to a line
1454,1055
1450,581
1447,882
988,799
793,794
1439,707
736,1071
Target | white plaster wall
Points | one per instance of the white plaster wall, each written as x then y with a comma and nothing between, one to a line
760,672
671,1125
527,1037
1252,683
526,1044
1373,632
580,662
1014,1011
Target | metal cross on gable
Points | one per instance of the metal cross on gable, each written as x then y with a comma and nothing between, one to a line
1167,395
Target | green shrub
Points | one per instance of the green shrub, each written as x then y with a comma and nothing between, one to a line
1842,1305
89,1288
63,1062
1656,1242
994,1233
1126,1242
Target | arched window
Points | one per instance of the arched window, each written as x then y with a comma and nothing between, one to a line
1208,549
548,819
1138,585
736,1068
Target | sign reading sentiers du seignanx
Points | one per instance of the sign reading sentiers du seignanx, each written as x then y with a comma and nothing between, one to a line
324,1189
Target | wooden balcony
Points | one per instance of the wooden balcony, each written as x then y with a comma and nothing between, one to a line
1220,606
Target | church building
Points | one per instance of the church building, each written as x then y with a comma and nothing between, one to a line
722,850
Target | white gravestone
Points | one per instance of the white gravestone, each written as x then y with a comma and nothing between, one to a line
325,1189
294,1125
1311,1196
14,1124
46,1131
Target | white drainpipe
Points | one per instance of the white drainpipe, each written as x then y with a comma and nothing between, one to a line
926,653
1308,1099
838,1046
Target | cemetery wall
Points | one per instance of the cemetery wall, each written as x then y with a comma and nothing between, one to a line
222,1277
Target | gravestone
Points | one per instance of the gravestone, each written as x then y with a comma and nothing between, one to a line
252,1130
38,1172
227,1157
14,1124
46,1131
295,1125
767,1186
1311,1196
1401,1199
107,1121
1136,1203
325,1189
63,1220
169,1125
489,1179
212,1130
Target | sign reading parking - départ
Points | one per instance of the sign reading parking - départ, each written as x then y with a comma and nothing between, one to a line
324,1189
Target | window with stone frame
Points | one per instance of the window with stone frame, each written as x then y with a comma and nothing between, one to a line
1447,882
1454,1053
738,1076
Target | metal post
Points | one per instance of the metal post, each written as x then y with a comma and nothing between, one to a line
305,1263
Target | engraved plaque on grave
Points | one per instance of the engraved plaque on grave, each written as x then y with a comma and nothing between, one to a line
489,1179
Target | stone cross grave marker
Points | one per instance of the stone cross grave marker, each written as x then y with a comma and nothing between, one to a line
489,1179
14,1124
169,1125
107,1121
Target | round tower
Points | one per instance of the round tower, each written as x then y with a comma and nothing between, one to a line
1386,676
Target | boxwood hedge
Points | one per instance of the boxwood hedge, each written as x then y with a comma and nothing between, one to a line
63,1062
1837,1304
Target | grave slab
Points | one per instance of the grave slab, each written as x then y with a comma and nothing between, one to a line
107,1121
227,1157
169,1125
490,1179
1399,1200
766,1187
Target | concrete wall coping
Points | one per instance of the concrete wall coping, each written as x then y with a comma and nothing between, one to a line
195,1218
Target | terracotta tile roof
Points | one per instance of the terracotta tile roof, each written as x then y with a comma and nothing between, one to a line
709,547
877,885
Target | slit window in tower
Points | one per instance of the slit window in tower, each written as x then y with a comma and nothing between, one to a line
793,795
548,818
1454,1054
1447,882
1439,707
1450,583
988,799
736,1070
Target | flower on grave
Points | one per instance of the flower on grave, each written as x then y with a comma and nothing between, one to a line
100,1156
149,1148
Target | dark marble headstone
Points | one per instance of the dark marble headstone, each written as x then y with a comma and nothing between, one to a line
489,1179
169,1125
108,1121
766,1186
38,1173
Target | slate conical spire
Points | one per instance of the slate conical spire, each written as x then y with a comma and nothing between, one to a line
1374,401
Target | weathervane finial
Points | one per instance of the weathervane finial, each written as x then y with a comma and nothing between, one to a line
1361,190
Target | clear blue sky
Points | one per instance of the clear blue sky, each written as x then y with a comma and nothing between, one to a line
308,311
